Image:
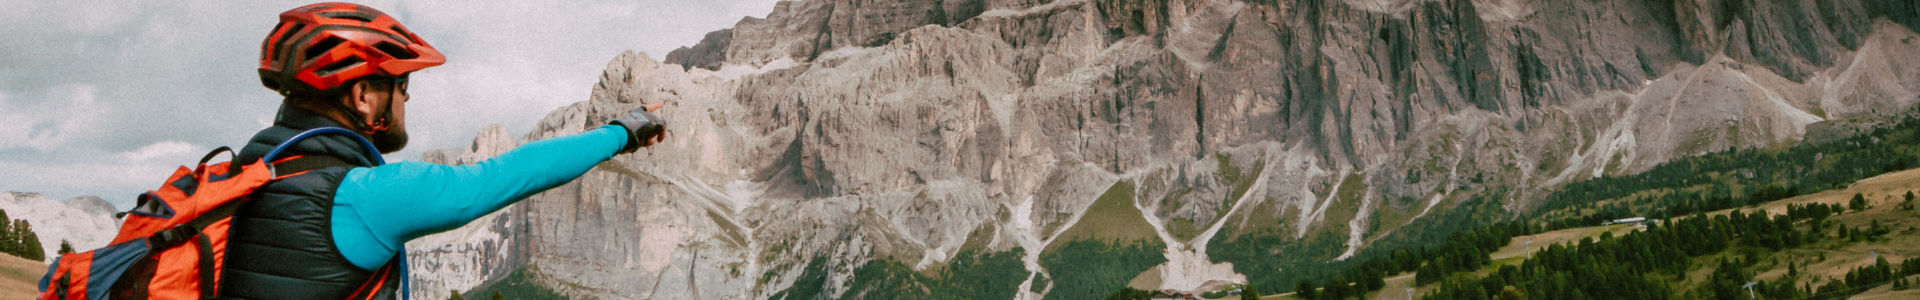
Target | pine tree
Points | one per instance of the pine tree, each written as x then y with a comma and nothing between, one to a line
1372,281
1250,293
65,247
1858,203
498,296
1512,294
8,243
1304,290
29,242
1336,289
455,296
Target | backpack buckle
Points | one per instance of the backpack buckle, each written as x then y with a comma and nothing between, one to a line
172,236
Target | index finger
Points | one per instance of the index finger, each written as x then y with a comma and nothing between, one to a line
651,107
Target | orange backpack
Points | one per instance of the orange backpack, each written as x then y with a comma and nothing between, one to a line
173,243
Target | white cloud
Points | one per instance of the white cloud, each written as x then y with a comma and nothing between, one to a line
115,177
157,150
51,124
99,16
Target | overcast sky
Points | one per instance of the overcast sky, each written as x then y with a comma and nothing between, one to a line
105,98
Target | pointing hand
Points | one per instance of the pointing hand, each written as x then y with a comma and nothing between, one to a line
643,127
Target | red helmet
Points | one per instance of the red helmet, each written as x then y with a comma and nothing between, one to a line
319,47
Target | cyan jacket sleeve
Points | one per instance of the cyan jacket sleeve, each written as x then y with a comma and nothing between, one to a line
377,210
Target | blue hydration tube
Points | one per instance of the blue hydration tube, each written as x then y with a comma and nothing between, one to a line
371,150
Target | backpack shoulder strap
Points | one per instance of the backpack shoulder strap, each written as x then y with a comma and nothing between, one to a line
361,141
308,163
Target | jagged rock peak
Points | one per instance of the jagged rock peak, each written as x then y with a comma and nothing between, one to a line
836,134
86,222
91,205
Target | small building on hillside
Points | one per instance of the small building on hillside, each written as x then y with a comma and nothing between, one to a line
1172,294
1632,220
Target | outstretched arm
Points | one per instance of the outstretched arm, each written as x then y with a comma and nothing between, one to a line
377,210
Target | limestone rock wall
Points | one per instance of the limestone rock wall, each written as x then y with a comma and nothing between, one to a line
86,222
853,131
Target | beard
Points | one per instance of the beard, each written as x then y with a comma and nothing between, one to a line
390,141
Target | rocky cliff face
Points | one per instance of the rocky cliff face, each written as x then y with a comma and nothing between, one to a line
86,222
840,133
467,256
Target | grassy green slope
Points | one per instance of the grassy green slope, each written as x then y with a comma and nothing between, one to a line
1712,183
20,277
521,284
1732,217
1110,245
1112,217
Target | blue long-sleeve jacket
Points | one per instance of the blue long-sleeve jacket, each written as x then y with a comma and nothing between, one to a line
377,210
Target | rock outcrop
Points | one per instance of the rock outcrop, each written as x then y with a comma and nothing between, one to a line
92,205
840,133
86,222
470,255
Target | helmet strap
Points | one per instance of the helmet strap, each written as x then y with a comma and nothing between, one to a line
378,124
382,123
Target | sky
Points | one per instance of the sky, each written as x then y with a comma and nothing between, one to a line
107,98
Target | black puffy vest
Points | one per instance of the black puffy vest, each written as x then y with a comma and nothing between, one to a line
281,244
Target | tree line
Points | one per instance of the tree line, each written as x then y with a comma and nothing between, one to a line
1740,177
971,274
1622,267
1461,252
17,238
1093,268
1275,261
1444,242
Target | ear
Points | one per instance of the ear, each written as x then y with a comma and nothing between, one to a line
357,98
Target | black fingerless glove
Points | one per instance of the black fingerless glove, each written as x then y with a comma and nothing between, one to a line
641,126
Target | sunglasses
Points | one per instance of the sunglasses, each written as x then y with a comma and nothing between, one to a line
396,84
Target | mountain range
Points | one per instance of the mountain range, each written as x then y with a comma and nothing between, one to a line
85,222
837,149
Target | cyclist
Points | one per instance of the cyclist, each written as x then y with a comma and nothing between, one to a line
334,225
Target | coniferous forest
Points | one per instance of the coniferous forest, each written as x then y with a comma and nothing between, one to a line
17,238
1620,267
1732,178
1090,269
1630,266
971,275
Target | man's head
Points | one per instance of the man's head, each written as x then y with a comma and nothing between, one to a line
349,63
376,105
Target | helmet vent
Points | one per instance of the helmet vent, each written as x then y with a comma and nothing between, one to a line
338,65
282,42
403,33
350,15
395,50
323,46
263,46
